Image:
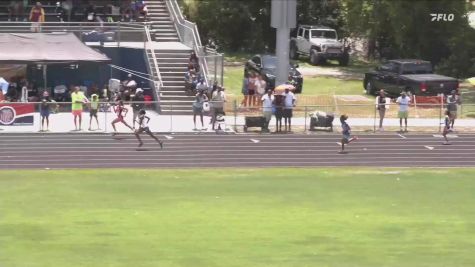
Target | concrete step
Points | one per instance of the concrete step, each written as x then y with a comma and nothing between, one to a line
172,74
173,93
180,83
174,55
166,39
173,64
172,60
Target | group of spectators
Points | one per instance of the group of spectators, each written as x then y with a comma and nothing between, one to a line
76,10
194,80
254,86
279,105
404,101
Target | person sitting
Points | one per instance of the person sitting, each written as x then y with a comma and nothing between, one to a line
141,10
194,61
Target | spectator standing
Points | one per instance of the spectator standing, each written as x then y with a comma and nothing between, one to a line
137,104
194,61
267,102
289,104
60,12
452,102
4,88
90,13
68,8
94,108
37,17
245,89
251,89
200,99
403,113
260,86
218,98
24,91
45,110
201,86
279,112
77,99
16,11
382,104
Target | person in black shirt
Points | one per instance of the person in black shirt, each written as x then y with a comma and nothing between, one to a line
381,106
137,104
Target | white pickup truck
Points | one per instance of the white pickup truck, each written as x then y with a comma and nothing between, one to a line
319,43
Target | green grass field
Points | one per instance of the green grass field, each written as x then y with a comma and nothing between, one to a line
237,217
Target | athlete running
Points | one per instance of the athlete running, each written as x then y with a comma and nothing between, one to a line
121,113
142,121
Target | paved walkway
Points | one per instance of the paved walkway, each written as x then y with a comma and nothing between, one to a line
63,123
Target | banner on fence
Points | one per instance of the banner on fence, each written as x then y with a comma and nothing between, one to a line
16,115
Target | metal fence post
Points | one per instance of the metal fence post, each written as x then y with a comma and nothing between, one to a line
106,109
119,35
374,123
235,115
440,112
305,130
41,122
171,118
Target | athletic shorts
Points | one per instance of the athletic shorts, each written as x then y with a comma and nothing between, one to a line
144,129
346,138
93,113
77,112
403,114
453,114
288,113
44,113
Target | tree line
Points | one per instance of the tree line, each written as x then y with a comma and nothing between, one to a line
392,28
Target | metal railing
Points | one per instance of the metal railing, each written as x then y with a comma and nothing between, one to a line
362,117
148,42
120,31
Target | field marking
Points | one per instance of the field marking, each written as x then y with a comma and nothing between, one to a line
429,147
402,136
255,141
370,162
449,136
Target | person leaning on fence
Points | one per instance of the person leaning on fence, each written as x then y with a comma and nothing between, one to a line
37,17
382,104
77,99
452,102
45,110
403,113
267,102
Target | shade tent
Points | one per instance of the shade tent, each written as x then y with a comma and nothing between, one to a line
46,48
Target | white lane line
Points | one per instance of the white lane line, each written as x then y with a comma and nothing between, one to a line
402,136
448,136
277,163
429,147
240,158
168,137
255,141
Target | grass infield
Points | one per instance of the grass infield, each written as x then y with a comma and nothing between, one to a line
237,217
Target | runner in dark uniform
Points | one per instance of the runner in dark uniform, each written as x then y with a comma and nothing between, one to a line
142,121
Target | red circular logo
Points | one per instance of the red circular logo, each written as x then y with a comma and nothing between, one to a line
7,115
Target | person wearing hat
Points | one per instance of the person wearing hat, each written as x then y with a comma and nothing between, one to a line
137,104
37,17
452,102
382,104
94,107
403,101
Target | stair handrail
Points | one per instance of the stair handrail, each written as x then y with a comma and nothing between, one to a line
148,42
179,20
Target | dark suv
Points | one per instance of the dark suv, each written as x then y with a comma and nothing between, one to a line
266,65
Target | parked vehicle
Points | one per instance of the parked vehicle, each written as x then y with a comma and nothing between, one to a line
320,43
266,65
413,76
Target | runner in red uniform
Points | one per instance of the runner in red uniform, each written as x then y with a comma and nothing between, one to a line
121,112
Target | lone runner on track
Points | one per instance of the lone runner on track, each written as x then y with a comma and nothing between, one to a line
346,131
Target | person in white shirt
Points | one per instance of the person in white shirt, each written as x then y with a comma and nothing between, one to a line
289,104
217,102
382,104
267,101
403,113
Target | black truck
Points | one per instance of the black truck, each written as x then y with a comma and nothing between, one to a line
408,75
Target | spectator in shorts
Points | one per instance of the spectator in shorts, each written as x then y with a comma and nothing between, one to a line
16,10
403,113
245,89
37,17
94,108
452,102
260,86
200,99
289,104
218,99
279,112
382,104
45,111
267,102
251,89
137,104
77,99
